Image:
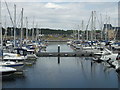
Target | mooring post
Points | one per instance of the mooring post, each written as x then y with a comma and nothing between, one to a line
58,49
58,54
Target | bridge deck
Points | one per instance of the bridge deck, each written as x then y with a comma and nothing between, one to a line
65,54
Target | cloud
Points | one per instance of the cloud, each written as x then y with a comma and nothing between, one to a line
53,6
63,15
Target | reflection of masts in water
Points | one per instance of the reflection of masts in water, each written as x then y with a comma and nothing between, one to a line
106,69
92,70
58,59
82,67
83,71
78,61
118,81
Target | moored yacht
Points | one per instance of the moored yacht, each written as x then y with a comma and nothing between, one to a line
104,54
16,65
30,53
13,57
115,62
6,71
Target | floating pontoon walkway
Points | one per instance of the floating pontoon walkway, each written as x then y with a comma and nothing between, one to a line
65,54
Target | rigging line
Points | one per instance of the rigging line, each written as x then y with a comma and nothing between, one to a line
104,20
87,27
9,12
88,22
5,29
98,21
18,22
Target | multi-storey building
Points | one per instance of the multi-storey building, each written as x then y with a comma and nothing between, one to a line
110,32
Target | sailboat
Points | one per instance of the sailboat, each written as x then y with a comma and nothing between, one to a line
30,48
4,70
90,45
15,55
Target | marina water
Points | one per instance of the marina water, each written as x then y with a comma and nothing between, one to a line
71,72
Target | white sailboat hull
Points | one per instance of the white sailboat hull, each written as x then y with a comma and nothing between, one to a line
6,71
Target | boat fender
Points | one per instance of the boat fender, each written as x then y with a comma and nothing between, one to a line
18,55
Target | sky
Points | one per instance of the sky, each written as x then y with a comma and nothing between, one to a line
62,0
61,14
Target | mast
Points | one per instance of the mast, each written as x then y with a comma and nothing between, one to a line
109,28
26,30
78,33
40,33
106,28
36,32
74,34
94,24
33,31
116,31
1,31
14,25
92,27
87,33
82,30
21,27
5,35
101,26
11,33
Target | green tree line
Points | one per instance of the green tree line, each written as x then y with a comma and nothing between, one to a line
10,31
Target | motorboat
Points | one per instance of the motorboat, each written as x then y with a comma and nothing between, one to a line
13,57
6,71
115,62
30,53
18,55
113,59
104,54
16,65
102,51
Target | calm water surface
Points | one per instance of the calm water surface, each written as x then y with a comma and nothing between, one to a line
72,72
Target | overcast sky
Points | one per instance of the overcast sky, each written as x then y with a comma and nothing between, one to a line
61,14
62,0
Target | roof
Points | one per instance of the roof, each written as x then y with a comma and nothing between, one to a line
110,27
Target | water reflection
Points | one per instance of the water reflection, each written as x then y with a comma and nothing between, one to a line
58,59
119,81
13,77
65,72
